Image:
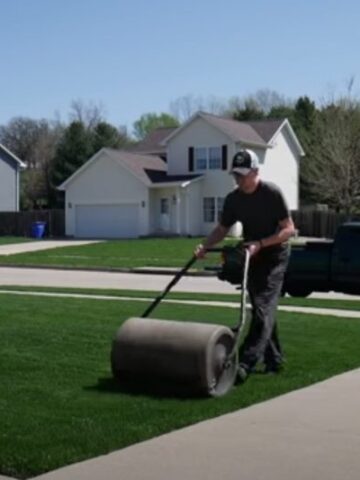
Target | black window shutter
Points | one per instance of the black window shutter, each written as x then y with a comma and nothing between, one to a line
191,159
224,157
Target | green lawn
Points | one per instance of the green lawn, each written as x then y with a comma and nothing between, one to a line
158,252
153,252
59,404
9,240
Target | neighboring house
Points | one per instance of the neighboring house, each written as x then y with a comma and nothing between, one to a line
119,194
10,167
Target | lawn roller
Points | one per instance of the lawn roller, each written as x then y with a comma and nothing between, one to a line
202,356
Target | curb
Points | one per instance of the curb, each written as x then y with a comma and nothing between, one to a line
136,270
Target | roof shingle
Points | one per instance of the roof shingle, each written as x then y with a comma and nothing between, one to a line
149,169
152,142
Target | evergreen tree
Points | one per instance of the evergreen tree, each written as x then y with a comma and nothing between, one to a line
74,149
250,111
106,135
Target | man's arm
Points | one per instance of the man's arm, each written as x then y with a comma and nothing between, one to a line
212,239
286,230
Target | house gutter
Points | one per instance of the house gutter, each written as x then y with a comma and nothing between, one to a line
174,184
253,144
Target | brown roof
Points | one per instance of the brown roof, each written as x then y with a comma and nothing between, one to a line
151,143
150,169
258,132
137,163
237,131
266,128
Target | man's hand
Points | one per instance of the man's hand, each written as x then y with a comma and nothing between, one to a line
200,251
253,248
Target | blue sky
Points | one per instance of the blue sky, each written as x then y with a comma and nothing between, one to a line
137,56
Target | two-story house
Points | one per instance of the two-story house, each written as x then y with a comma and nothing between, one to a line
119,194
10,168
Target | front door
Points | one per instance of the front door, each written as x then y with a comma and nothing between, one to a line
165,214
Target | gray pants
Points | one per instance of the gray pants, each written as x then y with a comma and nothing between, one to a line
266,275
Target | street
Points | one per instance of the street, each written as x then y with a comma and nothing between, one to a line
124,281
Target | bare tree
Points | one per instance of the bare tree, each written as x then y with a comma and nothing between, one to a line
34,142
89,114
332,170
268,99
184,107
262,100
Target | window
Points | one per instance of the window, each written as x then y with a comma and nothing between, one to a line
208,158
215,158
210,206
200,155
209,209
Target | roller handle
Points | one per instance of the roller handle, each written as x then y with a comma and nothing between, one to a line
174,281
177,277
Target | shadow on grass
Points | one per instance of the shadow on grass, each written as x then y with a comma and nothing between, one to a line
143,386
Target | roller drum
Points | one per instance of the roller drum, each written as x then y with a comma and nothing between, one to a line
195,354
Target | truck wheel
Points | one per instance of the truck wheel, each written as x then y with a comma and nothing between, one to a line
299,291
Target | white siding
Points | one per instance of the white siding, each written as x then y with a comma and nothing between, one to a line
193,205
216,183
105,182
197,134
9,185
281,166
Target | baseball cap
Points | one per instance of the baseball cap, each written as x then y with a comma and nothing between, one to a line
244,161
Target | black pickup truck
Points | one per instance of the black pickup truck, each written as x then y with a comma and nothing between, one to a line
326,265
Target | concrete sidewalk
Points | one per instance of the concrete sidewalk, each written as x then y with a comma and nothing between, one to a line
308,434
25,247
235,305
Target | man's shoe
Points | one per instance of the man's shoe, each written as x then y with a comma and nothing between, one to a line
273,369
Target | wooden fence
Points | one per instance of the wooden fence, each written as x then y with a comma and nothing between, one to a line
309,223
20,223
319,223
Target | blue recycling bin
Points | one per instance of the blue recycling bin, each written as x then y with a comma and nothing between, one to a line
38,229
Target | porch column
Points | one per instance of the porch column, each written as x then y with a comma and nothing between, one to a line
177,211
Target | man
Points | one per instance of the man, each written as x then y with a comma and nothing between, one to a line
267,227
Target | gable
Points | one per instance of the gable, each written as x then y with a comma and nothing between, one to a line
197,134
9,183
251,134
104,180
234,130
11,159
134,163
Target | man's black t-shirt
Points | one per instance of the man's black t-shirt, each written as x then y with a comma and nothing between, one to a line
259,212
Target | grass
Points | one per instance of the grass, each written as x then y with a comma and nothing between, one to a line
59,404
153,252
215,297
10,240
112,254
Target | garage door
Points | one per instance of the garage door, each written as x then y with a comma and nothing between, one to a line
107,221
